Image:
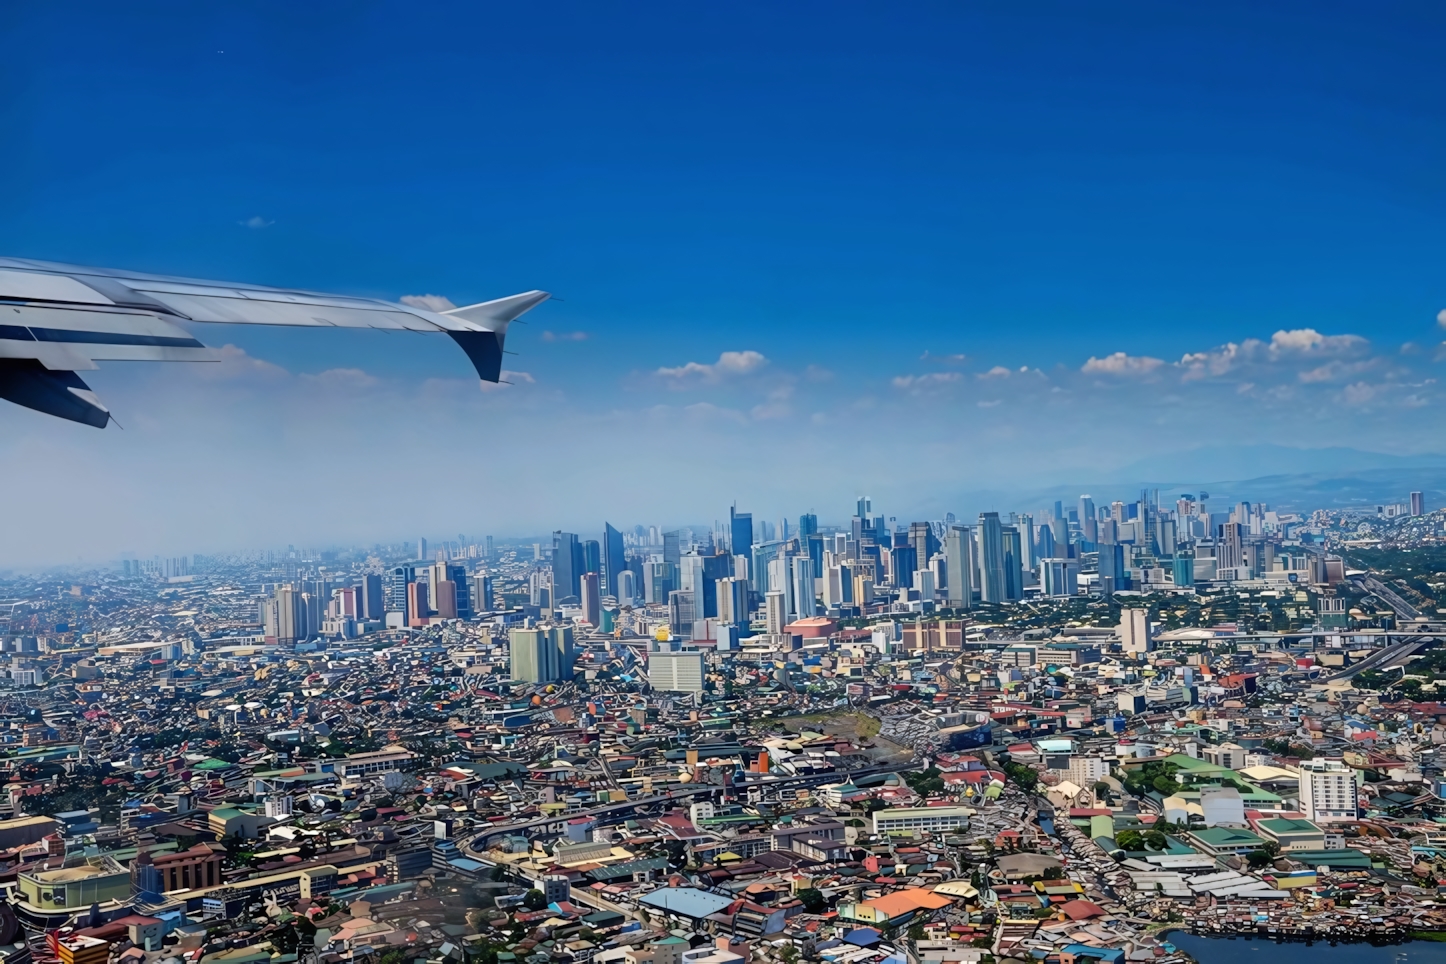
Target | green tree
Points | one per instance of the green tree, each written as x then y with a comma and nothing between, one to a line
813,900
534,899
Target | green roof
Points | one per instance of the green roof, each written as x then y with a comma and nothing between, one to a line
1226,837
1280,825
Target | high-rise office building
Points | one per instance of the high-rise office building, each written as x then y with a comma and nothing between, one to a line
539,585
482,594
959,567
903,560
807,525
763,554
422,550
592,556
732,594
627,589
740,535
397,600
804,596
457,575
992,587
775,611
659,579
419,608
1058,577
1184,567
681,612
676,670
591,598
567,565
372,604
541,655
1418,504
672,547
1112,572
445,599
614,561
1328,791
1031,558
924,543
1230,546
1013,562
1088,519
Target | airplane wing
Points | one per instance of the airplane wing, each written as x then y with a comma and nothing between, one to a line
58,319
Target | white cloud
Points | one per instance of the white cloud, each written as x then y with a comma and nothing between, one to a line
998,371
917,383
343,378
564,336
509,380
256,223
1441,317
428,302
1359,393
1121,364
991,403
1308,340
729,364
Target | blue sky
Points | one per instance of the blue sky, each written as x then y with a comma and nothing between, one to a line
843,198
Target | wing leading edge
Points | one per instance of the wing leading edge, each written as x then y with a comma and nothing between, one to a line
58,319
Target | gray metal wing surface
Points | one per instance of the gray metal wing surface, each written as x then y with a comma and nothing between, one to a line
58,319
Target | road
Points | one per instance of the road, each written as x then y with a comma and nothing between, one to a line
1403,609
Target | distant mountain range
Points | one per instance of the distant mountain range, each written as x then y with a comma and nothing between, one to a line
1287,479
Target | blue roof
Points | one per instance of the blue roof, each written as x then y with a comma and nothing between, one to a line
687,901
863,936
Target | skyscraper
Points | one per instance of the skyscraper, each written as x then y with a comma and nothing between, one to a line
457,575
1112,572
681,612
733,602
775,611
627,587
613,560
422,549
1230,546
807,525
672,547
397,602
740,535
592,556
372,605
1013,558
541,655
992,587
567,565
1418,504
903,560
959,567
804,597
921,537
1184,568
445,599
591,598
419,608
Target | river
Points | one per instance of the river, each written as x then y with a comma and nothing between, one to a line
1223,950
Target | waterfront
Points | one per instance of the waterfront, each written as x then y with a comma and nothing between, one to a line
1226,950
